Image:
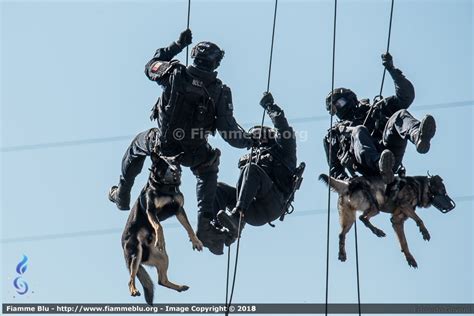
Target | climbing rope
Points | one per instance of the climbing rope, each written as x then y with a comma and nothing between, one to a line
228,303
388,45
357,266
330,162
187,27
330,154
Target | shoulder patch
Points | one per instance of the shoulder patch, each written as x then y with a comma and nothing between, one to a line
160,68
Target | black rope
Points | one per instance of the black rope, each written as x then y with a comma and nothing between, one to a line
357,266
388,45
187,27
229,303
330,154
269,65
227,278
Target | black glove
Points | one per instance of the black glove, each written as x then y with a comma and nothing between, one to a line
387,61
267,100
185,38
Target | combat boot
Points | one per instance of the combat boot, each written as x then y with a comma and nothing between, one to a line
210,236
386,163
230,220
424,134
120,195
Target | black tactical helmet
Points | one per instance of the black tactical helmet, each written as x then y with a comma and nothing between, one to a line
343,100
207,55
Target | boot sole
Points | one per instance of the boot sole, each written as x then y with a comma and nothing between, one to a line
427,132
225,221
386,163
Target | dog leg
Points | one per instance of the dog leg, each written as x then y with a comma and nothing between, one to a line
346,219
183,219
159,236
397,223
133,264
410,212
365,218
162,269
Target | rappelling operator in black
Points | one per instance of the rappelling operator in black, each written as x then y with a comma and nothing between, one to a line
266,183
194,103
372,139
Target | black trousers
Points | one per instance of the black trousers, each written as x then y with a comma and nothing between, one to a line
258,196
400,128
203,161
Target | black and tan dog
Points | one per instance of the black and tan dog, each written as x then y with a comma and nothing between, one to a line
400,198
143,241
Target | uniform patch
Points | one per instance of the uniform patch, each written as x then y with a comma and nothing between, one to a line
156,66
230,106
197,83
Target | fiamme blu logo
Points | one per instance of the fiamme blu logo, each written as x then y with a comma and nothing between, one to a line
19,282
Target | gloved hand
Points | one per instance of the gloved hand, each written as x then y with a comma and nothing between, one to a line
267,100
185,38
387,61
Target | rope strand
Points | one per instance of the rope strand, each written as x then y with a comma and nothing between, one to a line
269,65
227,278
228,304
388,45
187,27
330,155
250,159
357,267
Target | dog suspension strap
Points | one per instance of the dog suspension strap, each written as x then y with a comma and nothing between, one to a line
228,303
330,155
187,27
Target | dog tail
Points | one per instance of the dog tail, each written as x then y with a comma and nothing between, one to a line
336,185
147,284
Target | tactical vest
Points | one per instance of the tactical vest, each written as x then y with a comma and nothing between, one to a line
189,114
274,166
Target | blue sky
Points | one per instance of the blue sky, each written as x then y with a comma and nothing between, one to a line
73,70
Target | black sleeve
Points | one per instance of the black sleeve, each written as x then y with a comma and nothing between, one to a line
337,170
226,124
285,137
167,53
159,67
404,93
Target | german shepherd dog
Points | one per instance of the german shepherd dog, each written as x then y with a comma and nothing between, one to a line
400,198
143,241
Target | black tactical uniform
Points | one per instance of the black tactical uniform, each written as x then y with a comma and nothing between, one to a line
193,104
266,183
376,147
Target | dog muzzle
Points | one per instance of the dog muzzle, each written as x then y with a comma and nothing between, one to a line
443,203
172,176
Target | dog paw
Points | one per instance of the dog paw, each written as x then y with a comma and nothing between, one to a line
342,256
426,234
197,245
379,233
135,292
183,288
412,262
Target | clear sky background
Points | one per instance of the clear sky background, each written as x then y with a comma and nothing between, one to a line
73,71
